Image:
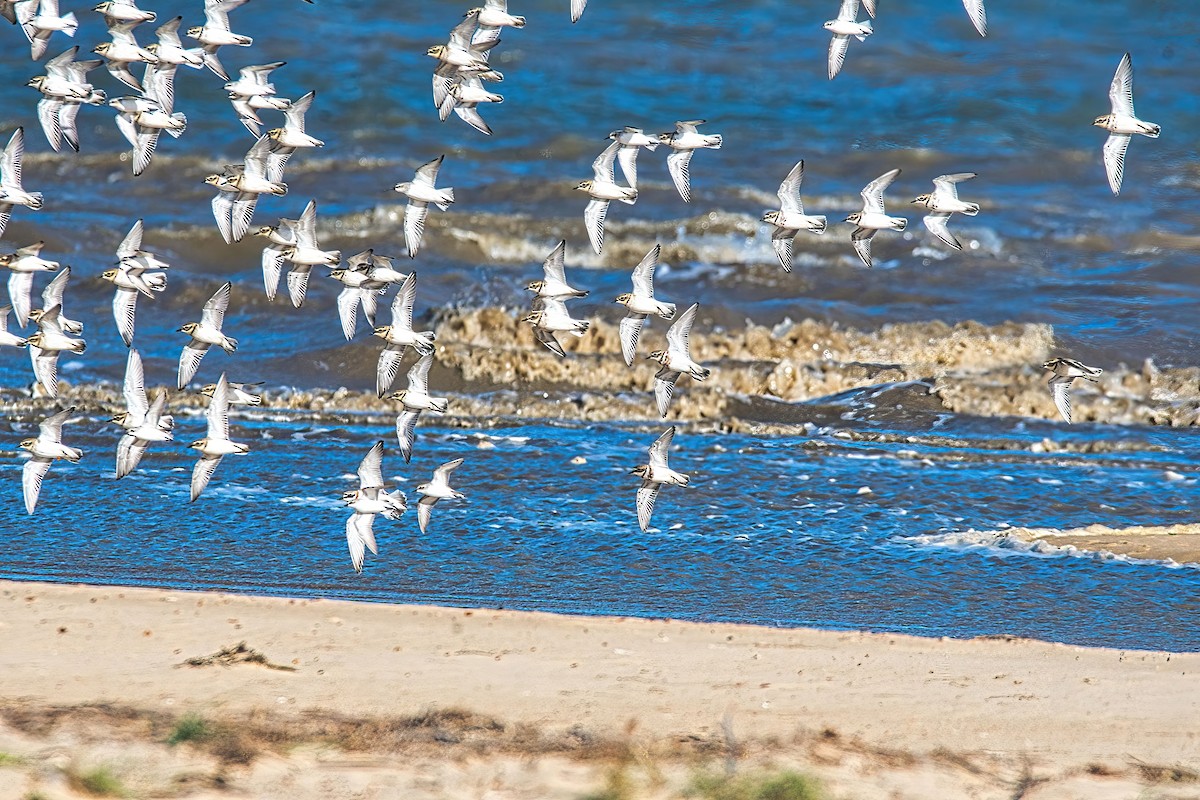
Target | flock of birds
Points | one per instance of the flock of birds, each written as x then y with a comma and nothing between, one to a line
462,67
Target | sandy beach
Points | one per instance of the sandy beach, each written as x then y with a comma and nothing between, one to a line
339,699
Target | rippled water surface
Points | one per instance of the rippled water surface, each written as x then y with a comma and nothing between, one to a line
808,529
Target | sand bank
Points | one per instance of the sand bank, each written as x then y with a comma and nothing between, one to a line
1179,543
443,702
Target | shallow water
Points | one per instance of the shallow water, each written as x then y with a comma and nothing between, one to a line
774,530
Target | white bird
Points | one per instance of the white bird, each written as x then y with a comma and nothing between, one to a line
842,28
291,137
215,33
64,89
169,48
1064,371
494,14
790,219
549,315
641,303
554,276
46,448
420,192
46,344
654,475
205,333
367,502
23,264
252,90
1121,123
465,96
123,11
400,335
359,289
238,190
676,360
415,398
437,489
943,202
217,444
40,20
603,189
131,278
873,217
7,338
240,394
144,422
978,15
303,252
53,295
11,191
632,140
123,51
684,141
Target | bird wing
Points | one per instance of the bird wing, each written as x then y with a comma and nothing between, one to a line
168,33
10,162
548,339
66,123
783,240
861,239
938,225
272,267
872,193
294,114
213,314
442,473
978,15
202,473
677,164
20,289
189,361
406,432
218,410
789,190
647,493
944,185
664,389
32,474
132,243
306,227
677,334
256,157
425,511
134,389
577,7
48,109
643,273
222,207
51,427
838,44
1114,159
297,280
370,470
593,217
1120,92
627,157
241,213
869,5
143,151
356,541
414,225
460,34
388,367
402,304
418,375
1060,388
554,267
602,167
661,447
347,303
631,331
52,295
130,450
45,368
427,172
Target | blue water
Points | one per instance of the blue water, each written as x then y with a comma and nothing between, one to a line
774,530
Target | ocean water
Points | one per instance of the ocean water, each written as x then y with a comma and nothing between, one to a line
774,529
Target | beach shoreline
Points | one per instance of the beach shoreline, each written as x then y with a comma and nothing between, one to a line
580,691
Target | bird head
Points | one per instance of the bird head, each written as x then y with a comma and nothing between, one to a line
265,230
337,274
350,497
855,217
195,31
624,299
382,331
189,328
121,418
642,471
436,51
533,318
829,25
922,199
37,82
535,286
214,180
659,356
37,313
27,444
1103,121
584,186
398,396
771,217
275,134
102,48
199,444
152,48
35,340
209,390
110,274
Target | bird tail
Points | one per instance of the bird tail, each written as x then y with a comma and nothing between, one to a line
36,197
71,24
449,199
229,345
899,224
700,373
424,343
74,454
862,37
820,227
441,405
581,327
715,141
670,311
631,199
182,120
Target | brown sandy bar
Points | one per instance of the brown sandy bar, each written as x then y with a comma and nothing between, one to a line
1179,543
65,645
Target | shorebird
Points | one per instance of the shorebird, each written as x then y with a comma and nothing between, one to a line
654,475
842,28
53,296
873,218
46,344
632,140
205,333
46,448
123,51
415,398
360,288
215,33
253,91
436,489
683,142
115,11
943,202
245,183
217,444
1121,123
1064,372
494,14
144,422
240,394
400,335
40,20
24,263
303,252
420,192
367,502
131,278
169,48
603,189
291,137
790,219
548,315
465,95
641,303
64,89
676,360
11,192
554,276
142,119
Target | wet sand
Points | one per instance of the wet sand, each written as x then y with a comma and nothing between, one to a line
521,704
1179,543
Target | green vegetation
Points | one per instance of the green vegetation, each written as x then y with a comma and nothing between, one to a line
781,786
10,760
189,728
99,782
617,786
